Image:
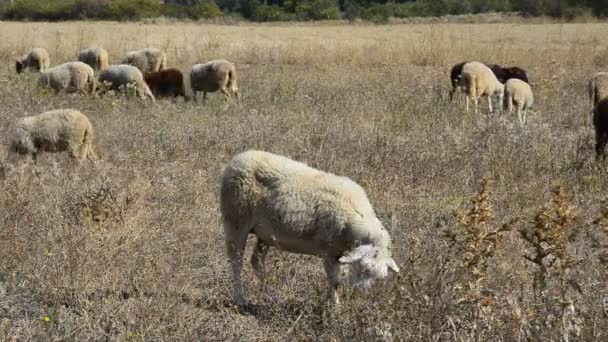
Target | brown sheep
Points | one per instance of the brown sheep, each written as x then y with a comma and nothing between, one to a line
166,83
600,123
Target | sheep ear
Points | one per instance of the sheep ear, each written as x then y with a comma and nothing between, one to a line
392,265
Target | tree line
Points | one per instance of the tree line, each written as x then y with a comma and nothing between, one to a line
283,10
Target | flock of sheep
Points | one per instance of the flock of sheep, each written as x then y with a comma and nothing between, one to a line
144,70
284,203
510,86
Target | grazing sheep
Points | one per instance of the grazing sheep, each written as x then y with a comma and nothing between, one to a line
147,60
298,209
96,58
503,74
478,80
71,77
37,59
212,76
166,83
519,93
55,131
600,123
124,75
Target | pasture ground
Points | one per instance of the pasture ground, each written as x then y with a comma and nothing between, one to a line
131,248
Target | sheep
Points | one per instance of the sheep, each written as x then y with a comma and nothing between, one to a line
71,77
168,82
147,60
37,59
299,209
478,80
600,123
212,76
96,58
503,74
55,131
124,75
519,93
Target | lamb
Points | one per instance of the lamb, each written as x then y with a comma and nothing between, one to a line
212,76
124,75
37,59
96,58
519,93
478,80
299,209
55,131
600,123
71,77
147,60
166,83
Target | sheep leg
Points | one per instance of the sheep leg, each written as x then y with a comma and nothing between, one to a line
235,246
226,93
204,97
521,118
476,103
258,262
332,269
467,103
600,144
490,104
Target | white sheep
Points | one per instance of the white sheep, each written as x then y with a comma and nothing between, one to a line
478,80
147,60
213,76
299,209
71,77
519,93
96,58
55,131
124,75
37,59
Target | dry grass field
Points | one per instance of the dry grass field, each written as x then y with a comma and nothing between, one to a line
499,231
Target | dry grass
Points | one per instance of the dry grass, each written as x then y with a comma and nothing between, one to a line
131,248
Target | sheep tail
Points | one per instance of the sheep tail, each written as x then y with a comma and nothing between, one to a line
592,92
472,85
232,80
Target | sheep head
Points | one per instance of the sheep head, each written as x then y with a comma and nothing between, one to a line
368,263
19,66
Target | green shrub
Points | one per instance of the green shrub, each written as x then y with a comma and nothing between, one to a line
270,13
